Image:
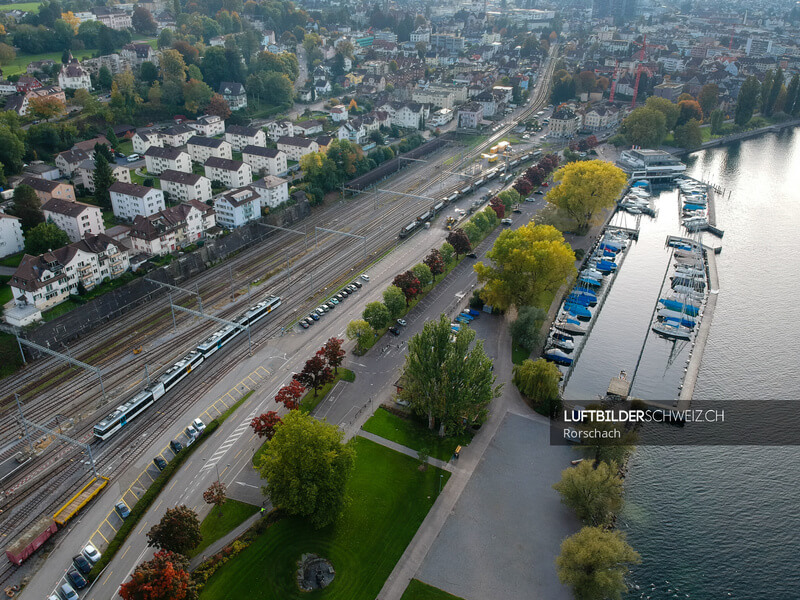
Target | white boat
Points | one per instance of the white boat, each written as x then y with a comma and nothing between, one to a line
671,330
589,272
686,299
565,345
687,270
693,254
691,292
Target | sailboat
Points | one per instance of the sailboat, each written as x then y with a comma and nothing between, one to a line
558,356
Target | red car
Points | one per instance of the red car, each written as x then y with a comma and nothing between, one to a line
544,184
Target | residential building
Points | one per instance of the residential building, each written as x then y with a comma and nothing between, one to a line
76,219
11,238
202,148
171,228
265,161
279,129
239,137
272,191
42,170
177,135
142,141
208,125
447,42
128,200
160,159
409,114
234,93
74,77
669,90
237,207
26,84
436,98
470,115
307,128
46,189
20,103
186,186
113,18
88,145
138,53
441,117
295,147
46,280
601,117
564,123
421,34
231,173
68,161
84,174
491,106
339,113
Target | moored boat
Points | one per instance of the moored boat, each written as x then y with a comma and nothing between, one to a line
558,356
672,330
671,304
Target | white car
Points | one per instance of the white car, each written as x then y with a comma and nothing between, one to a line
133,157
91,553
199,425
365,277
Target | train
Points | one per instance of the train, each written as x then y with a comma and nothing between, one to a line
125,413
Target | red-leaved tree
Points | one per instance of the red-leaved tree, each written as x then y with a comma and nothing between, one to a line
408,284
591,141
459,241
333,353
264,424
216,494
165,577
289,395
535,175
498,207
435,262
315,373
523,186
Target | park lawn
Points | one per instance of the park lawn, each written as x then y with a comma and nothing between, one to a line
417,590
221,520
518,354
309,402
26,6
59,309
412,434
20,63
389,498
12,260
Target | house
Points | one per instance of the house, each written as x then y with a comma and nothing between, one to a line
160,159
441,117
265,161
128,200
202,148
142,141
20,103
41,170
669,90
208,125
113,62
76,219
113,17
272,191
307,127
186,186
46,280
88,145
25,84
278,129
564,122
231,173
171,228
239,136
405,114
69,160
323,141
177,135
11,238
237,207
46,189
353,130
601,117
339,113
470,115
84,174
234,93
74,77
137,53
37,67
322,86
295,147
489,102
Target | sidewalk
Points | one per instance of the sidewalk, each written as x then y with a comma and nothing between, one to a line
404,450
227,539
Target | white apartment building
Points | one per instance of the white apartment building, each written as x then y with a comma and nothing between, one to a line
239,137
237,207
202,148
159,160
265,161
272,191
279,129
129,200
296,148
11,238
142,141
186,186
208,125
76,219
177,135
231,173
172,228
84,174
74,77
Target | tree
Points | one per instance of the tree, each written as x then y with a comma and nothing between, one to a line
774,92
360,331
690,109
447,251
408,284
27,207
765,89
511,196
104,78
670,110
498,207
445,380
103,179
689,135
746,101
165,577
177,531
708,98
377,315
526,328
315,374
143,21
538,380
43,238
289,395
165,39
264,424
459,241
717,119
172,65
644,127
586,188
563,88
395,301
435,262
334,353
423,273
216,494
528,262
218,106
792,103
595,494
594,563
7,54
608,443
196,95
46,108
307,466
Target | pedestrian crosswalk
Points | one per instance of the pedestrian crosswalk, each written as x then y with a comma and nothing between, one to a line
237,433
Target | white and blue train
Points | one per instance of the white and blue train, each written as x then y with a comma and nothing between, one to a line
125,413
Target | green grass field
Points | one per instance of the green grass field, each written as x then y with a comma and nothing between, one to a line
26,6
222,520
389,498
413,435
417,590
20,63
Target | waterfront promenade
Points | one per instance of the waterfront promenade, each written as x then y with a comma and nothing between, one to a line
727,139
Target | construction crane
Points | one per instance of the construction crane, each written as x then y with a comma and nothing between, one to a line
614,82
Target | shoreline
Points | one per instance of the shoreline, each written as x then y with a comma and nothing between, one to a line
735,137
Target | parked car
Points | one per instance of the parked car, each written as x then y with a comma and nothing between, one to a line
199,425
122,510
472,255
394,330
83,565
539,193
176,446
303,324
133,157
160,463
339,297
365,277
67,592
314,316
358,284
90,552
517,210
506,221
77,580
402,322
